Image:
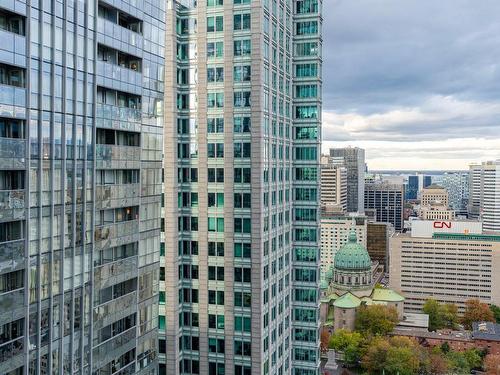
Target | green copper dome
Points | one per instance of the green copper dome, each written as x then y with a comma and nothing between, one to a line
329,274
352,256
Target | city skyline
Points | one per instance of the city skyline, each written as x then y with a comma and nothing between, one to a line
416,92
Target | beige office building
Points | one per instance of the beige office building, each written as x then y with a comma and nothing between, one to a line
447,266
333,186
334,234
434,195
436,212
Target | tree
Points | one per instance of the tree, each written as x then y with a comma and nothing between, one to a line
349,343
476,311
440,316
324,340
394,355
433,309
376,319
496,312
464,362
492,364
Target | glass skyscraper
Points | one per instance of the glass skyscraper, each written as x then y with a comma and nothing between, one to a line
81,93
240,270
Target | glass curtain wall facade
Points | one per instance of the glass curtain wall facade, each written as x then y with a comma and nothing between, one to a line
240,263
81,93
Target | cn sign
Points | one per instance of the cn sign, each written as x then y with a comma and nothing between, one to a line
442,224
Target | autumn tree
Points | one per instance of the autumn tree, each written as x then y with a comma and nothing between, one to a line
347,342
376,319
492,364
476,311
324,340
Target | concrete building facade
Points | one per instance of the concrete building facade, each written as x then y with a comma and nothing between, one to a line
333,187
81,92
243,116
334,234
448,266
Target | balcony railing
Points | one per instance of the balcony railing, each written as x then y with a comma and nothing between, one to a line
11,255
12,153
114,310
114,347
11,305
109,196
113,34
119,78
11,204
115,272
116,234
12,101
111,156
115,117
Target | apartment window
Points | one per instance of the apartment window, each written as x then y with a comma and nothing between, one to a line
242,150
215,174
242,47
215,3
215,150
215,273
306,49
242,369
215,199
241,2
215,50
215,297
307,6
216,249
306,70
215,24
242,225
306,112
242,324
215,100
242,250
242,175
11,22
216,224
242,73
306,91
242,348
241,124
243,299
215,125
241,21
215,321
242,200
12,76
215,74
243,275
307,28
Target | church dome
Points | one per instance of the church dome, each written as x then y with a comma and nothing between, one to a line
352,256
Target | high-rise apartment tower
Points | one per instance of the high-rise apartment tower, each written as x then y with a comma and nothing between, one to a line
242,125
81,91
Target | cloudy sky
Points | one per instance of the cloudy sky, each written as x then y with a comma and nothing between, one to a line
414,82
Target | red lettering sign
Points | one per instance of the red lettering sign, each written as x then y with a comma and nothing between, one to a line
442,224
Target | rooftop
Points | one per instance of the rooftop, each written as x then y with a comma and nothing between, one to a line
347,301
465,237
486,331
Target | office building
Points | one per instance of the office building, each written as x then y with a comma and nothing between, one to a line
333,187
412,188
426,181
81,88
434,195
475,186
465,263
388,202
377,241
334,234
242,125
353,159
457,186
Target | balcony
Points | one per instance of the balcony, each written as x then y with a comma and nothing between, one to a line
11,355
11,255
13,48
11,306
12,152
12,101
119,78
12,205
117,234
110,196
112,34
115,272
114,310
118,157
114,347
119,118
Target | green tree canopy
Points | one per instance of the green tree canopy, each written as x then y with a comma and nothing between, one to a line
496,312
376,319
348,343
440,315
